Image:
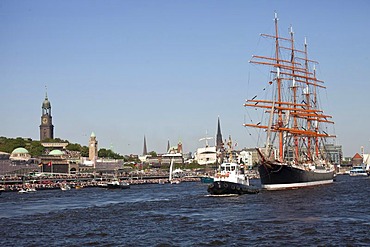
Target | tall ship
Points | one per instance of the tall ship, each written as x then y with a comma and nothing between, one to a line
293,126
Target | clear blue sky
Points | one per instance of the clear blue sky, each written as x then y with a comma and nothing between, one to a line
167,69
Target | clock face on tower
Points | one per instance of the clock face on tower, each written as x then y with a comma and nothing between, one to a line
44,120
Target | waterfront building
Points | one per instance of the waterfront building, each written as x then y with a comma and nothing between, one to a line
206,155
54,162
246,157
4,156
166,158
175,149
49,146
334,152
20,154
357,160
46,127
367,162
57,159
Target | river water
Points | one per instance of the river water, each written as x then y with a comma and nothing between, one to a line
184,215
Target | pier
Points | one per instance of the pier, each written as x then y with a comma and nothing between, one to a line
56,181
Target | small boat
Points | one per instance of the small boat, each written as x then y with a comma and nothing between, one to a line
22,191
170,178
102,184
231,179
207,179
358,171
175,181
31,190
65,187
78,187
115,184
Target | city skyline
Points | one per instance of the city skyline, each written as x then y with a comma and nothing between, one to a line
167,69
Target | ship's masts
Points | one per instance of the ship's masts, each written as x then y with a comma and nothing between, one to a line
294,119
317,123
308,100
294,88
279,88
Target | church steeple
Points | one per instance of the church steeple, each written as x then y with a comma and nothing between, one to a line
145,150
46,127
219,143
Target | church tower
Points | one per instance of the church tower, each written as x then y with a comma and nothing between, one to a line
219,143
46,127
145,150
93,147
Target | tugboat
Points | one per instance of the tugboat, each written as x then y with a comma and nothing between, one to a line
231,179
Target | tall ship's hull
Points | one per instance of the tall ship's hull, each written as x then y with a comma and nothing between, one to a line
278,177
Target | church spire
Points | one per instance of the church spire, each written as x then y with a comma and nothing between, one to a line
46,92
145,150
219,143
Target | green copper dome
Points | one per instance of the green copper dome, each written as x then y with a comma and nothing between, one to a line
56,152
20,151
93,134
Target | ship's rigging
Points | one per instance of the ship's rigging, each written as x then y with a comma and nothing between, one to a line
295,119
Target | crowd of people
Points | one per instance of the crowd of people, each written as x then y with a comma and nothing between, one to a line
32,182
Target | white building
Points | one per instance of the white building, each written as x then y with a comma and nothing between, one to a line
205,156
246,157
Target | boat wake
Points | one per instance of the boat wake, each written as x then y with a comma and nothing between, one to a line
223,195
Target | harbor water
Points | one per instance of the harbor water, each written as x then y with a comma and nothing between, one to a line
184,215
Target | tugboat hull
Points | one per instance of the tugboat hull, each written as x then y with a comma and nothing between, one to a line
227,188
276,177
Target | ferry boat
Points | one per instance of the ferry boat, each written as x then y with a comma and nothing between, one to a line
294,125
231,179
358,171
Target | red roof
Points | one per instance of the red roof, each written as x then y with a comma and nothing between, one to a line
357,156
